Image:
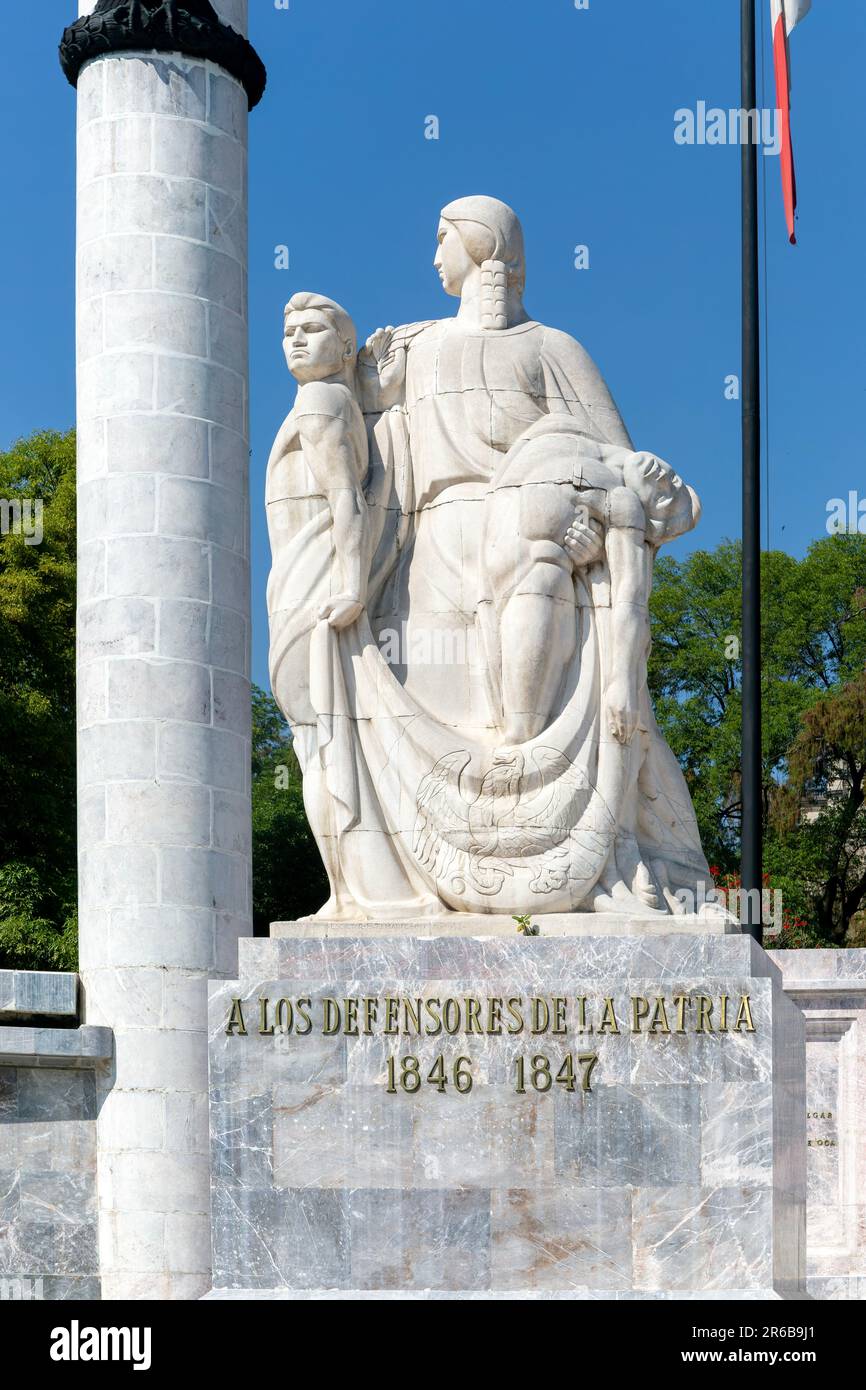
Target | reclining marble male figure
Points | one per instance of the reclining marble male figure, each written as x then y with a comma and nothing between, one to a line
559,503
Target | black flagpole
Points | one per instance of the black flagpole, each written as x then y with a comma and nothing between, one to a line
751,825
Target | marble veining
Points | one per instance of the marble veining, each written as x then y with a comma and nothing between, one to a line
681,1172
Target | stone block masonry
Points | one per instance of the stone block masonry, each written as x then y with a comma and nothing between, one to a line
48,1096
584,1117
164,627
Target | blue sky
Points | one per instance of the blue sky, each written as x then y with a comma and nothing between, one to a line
568,115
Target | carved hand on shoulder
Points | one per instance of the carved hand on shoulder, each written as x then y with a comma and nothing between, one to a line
378,345
341,611
385,357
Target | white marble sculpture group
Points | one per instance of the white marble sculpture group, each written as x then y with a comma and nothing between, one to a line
463,542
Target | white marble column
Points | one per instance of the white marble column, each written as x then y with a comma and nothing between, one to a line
163,628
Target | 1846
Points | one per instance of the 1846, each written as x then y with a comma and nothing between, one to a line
405,1073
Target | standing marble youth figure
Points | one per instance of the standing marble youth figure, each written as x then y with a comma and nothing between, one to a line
317,517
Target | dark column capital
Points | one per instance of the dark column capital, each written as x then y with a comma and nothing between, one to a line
190,27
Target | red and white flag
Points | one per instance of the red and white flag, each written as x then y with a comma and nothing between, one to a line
786,16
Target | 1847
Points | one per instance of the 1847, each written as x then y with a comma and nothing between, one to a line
539,1074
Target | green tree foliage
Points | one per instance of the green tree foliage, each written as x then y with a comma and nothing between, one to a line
38,928
289,879
695,610
827,845
37,708
814,655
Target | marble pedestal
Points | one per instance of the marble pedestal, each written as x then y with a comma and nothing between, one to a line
680,1173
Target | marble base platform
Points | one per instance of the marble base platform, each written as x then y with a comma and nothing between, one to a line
492,1296
496,924
680,1173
